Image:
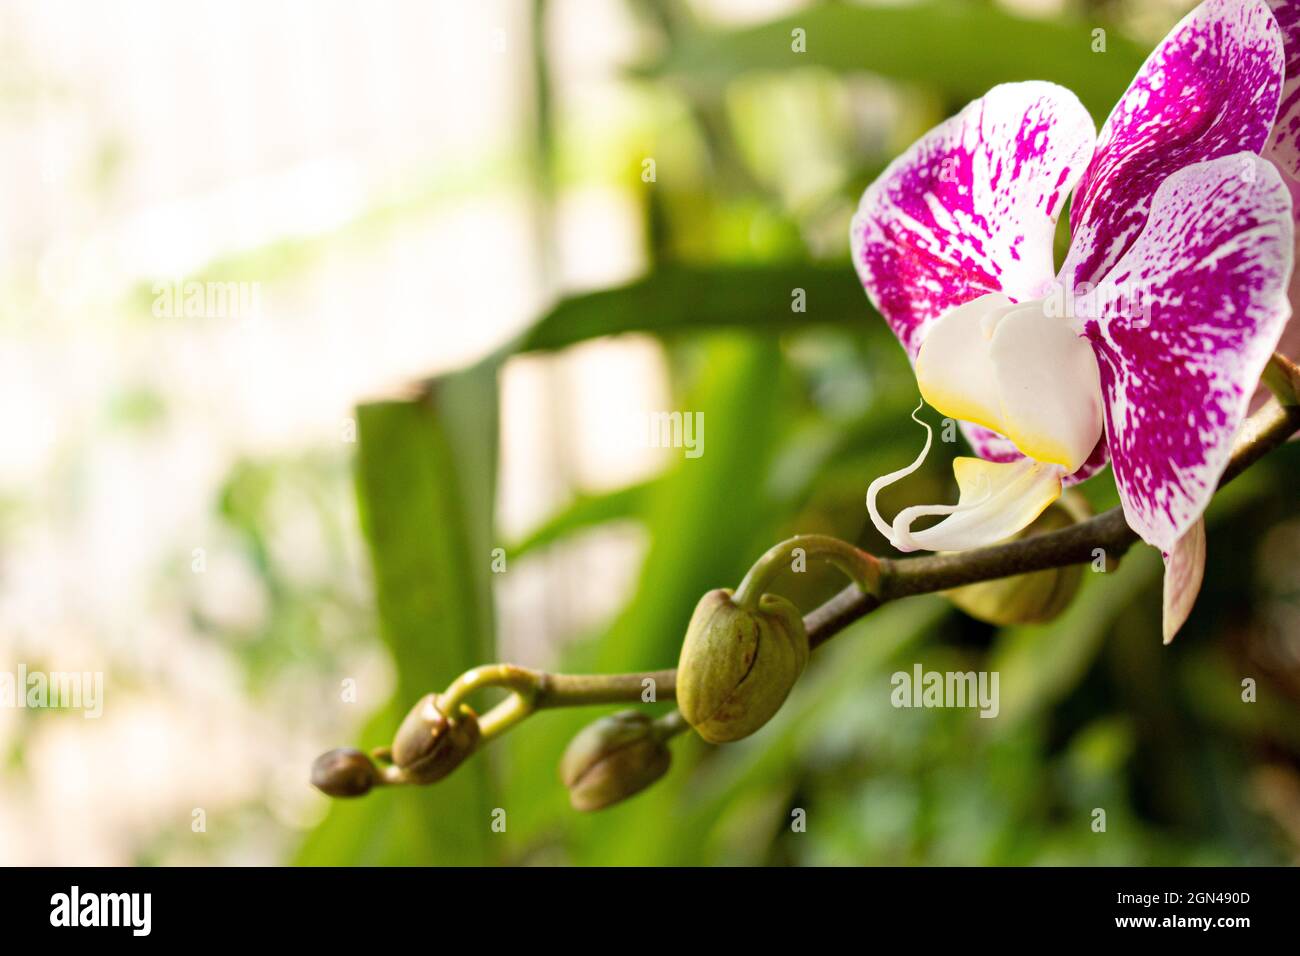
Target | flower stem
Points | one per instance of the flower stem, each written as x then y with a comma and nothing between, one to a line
875,581
515,709
533,690
578,690
1282,378
520,680
670,725
860,568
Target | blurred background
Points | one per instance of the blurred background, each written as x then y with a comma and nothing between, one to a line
329,335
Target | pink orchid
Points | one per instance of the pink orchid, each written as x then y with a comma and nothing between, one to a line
1284,144
1145,347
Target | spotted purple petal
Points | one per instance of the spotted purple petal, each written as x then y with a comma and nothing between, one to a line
1185,324
1284,150
1284,143
1210,89
971,208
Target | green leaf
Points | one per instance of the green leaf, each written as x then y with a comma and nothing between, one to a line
690,512
696,298
960,49
425,479
583,512
708,518
705,513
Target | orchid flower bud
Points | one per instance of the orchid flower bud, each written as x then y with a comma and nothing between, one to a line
344,772
429,745
738,664
612,759
1033,598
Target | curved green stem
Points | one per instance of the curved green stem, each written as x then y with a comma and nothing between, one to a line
513,710
533,690
860,568
670,725
521,680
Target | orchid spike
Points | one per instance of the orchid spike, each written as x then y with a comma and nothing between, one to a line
1145,347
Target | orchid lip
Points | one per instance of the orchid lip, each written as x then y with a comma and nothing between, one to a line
996,500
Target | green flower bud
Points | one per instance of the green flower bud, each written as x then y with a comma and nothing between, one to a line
1033,598
429,745
612,759
738,665
344,772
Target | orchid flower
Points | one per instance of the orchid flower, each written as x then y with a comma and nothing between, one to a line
1145,347
1284,144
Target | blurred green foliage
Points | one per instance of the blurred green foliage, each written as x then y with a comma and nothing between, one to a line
804,408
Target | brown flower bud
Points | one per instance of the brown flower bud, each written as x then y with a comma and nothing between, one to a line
344,772
737,665
429,745
612,759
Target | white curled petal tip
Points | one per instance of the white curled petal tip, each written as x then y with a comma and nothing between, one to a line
884,481
996,500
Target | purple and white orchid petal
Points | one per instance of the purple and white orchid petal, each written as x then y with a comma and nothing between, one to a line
1186,322
971,208
1210,89
1284,151
1184,571
1284,143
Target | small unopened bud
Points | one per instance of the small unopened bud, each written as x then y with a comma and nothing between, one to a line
738,664
613,758
344,772
1033,598
429,745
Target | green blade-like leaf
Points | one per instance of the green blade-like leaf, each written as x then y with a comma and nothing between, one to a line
707,518
690,298
960,49
583,512
426,472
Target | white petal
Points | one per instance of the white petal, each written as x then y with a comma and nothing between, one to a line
1049,386
997,499
954,368
1019,371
